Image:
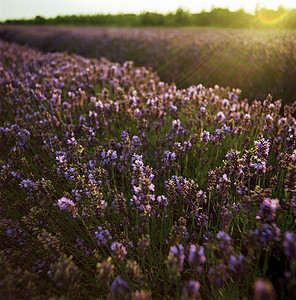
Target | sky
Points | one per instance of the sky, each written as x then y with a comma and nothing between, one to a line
16,9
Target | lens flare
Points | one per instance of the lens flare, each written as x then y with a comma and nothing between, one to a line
266,18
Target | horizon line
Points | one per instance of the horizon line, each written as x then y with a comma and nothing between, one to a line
187,10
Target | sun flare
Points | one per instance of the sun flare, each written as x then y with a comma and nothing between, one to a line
267,19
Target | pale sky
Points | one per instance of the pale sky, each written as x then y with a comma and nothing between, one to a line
16,9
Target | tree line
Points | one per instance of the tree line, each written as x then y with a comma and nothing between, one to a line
218,17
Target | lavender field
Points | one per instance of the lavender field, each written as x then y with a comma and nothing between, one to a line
259,62
115,184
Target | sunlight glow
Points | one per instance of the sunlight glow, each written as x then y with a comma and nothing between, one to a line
268,20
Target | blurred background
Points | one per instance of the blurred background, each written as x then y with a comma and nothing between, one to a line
249,45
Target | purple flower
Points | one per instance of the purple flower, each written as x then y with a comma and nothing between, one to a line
247,117
220,117
112,154
259,165
262,148
64,203
142,186
110,158
124,135
61,159
268,233
201,197
118,251
190,290
204,137
79,243
162,203
24,134
187,146
72,141
289,244
178,252
176,125
173,107
267,210
137,162
67,205
28,186
218,275
237,266
102,236
223,238
231,154
293,205
137,113
136,142
168,157
293,156
196,257
236,208
120,288
203,109
264,290
268,118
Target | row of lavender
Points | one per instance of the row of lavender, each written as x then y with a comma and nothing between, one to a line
258,62
116,184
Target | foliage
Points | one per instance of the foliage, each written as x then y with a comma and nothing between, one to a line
218,18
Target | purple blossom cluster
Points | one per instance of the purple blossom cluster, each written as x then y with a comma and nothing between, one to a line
175,260
118,251
102,236
267,210
14,134
143,200
67,205
28,186
197,257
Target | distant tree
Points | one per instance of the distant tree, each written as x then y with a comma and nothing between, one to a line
182,17
152,19
217,17
39,20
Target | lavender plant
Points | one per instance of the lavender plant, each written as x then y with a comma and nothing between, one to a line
115,184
